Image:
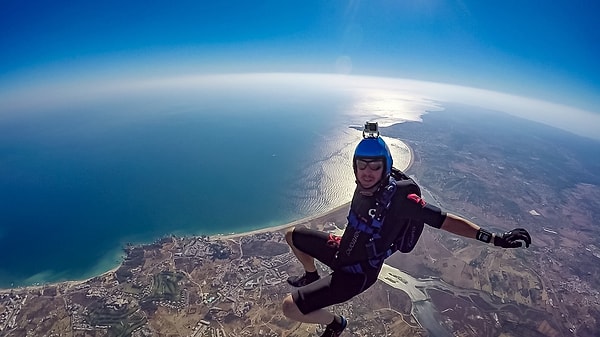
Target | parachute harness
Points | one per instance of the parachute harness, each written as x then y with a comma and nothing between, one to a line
375,257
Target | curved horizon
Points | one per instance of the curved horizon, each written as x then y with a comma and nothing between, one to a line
575,120
547,52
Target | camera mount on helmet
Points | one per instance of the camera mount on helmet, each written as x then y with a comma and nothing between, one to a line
372,146
371,130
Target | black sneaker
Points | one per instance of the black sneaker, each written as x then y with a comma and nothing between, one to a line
334,329
301,281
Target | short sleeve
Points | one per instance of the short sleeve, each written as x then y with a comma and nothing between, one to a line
414,207
433,216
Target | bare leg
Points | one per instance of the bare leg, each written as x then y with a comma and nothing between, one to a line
308,262
291,311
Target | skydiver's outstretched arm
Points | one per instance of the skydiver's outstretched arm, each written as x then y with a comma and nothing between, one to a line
463,227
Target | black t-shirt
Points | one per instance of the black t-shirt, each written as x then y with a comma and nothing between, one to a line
403,208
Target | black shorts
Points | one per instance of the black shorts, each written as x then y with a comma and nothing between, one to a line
335,288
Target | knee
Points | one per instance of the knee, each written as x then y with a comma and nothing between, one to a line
289,308
288,236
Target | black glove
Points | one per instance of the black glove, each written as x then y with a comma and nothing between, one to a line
511,239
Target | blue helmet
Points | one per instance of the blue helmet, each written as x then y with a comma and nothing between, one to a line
374,148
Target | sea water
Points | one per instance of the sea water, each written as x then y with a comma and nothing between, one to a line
79,182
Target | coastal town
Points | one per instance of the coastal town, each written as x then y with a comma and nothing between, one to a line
188,286
233,286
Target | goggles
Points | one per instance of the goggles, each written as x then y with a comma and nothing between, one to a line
373,165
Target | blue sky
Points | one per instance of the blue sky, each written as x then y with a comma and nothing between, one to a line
543,49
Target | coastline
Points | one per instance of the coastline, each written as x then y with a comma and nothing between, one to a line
66,284
279,227
71,283
312,217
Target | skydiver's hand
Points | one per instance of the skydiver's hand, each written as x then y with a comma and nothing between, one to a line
512,239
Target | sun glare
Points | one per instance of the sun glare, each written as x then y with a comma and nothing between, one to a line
391,107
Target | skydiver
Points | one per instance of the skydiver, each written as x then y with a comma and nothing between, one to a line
386,214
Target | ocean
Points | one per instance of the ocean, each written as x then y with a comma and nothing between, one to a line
79,182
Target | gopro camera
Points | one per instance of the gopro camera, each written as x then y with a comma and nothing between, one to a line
371,130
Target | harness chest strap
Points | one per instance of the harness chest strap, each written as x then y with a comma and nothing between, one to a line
373,228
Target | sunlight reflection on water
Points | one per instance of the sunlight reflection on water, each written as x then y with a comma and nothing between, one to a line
328,181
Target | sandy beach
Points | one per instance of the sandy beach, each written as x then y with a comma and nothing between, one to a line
281,227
